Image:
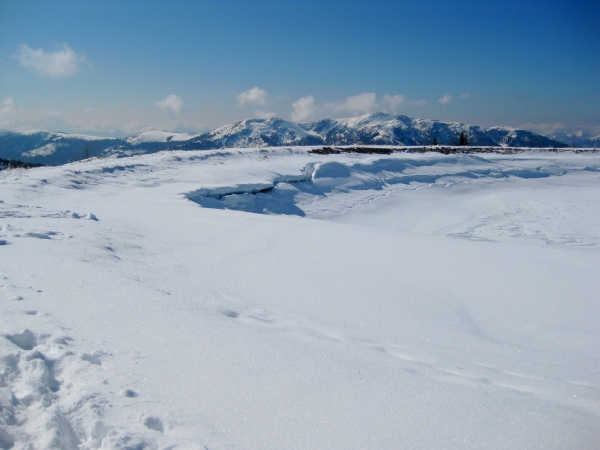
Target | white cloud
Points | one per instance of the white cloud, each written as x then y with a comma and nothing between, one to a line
89,109
365,102
8,112
264,114
465,96
394,100
255,95
304,109
63,62
445,99
172,105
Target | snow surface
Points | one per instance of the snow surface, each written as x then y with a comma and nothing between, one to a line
272,298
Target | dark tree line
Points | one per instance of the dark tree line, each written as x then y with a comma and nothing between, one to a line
14,164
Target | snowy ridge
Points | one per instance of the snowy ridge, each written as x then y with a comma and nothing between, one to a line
47,147
45,134
255,133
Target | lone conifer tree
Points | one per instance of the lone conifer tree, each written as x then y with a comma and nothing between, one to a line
435,141
463,139
86,152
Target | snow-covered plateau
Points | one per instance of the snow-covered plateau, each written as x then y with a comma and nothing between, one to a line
274,298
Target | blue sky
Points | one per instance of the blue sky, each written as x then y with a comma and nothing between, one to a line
118,67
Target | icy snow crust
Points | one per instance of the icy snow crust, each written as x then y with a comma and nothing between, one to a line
273,298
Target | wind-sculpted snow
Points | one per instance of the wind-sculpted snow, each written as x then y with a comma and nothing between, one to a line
373,301
354,184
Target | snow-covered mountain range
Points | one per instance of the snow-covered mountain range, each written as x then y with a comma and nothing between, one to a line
374,129
54,148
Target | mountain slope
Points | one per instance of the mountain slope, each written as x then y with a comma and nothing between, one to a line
255,133
55,148
52,148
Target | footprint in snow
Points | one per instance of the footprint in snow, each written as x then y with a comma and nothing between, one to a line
154,423
92,359
230,313
129,393
26,340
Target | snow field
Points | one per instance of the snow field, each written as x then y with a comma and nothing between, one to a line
440,302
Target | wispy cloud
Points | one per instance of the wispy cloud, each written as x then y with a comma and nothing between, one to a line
393,101
255,95
89,109
63,62
13,117
264,114
8,112
304,109
172,105
465,96
127,127
447,98
363,103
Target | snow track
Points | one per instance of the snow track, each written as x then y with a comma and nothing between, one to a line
49,392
